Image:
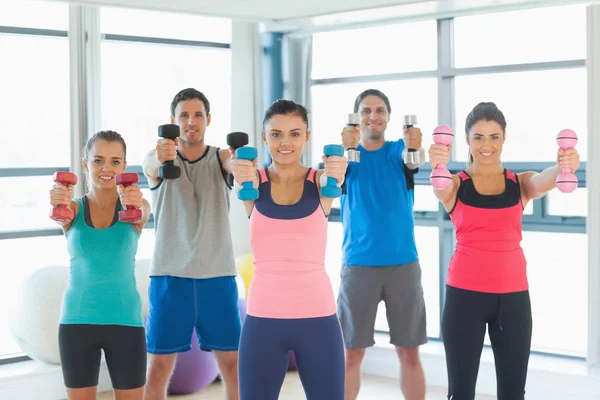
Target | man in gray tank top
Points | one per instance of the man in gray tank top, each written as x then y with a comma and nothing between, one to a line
192,275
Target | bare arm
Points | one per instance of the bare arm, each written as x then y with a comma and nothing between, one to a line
248,204
146,211
335,167
421,156
225,158
150,168
326,202
536,184
447,196
74,206
440,154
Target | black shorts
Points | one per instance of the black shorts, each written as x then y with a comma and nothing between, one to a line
80,353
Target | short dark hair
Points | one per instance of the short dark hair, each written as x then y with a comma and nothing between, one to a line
372,92
109,136
188,94
285,107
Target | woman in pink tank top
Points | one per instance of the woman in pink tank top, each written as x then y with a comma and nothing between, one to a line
487,283
291,305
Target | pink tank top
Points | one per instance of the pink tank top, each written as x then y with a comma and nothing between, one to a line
488,256
288,243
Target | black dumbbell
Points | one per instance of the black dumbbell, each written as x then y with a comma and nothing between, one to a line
236,140
169,170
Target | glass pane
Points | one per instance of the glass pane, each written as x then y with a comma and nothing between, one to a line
139,82
342,53
559,291
574,204
25,203
331,105
510,37
425,199
428,245
528,208
533,121
34,99
35,14
162,24
21,257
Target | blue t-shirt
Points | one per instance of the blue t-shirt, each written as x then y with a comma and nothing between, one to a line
377,209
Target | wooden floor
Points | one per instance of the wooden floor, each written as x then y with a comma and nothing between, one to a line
373,388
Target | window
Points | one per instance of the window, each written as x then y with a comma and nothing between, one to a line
427,239
533,120
25,203
508,38
351,52
425,199
162,24
573,204
34,14
139,81
331,105
558,282
35,133
34,122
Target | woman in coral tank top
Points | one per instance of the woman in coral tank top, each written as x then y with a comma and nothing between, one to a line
487,283
291,304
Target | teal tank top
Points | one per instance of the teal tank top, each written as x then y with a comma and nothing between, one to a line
102,287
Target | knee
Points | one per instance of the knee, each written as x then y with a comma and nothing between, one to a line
227,361
160,368
354,357
409,356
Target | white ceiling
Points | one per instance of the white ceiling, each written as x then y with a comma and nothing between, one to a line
308,15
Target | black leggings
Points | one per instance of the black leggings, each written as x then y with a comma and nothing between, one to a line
466,314
80,354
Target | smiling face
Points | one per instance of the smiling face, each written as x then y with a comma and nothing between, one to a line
192,119
485,141
105,160
286,135
374,117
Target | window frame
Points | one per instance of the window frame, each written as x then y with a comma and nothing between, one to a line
84,41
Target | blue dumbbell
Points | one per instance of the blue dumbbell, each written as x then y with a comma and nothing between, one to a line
247,192
331,189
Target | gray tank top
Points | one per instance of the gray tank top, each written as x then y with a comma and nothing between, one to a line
191,221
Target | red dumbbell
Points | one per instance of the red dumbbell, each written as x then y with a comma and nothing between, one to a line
130,214
62,213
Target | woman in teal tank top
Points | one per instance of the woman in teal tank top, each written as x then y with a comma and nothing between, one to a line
101,307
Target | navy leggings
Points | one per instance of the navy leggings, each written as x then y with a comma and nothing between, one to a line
263,357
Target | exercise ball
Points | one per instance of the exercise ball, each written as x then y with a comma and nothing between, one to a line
245,266
194,370
35,313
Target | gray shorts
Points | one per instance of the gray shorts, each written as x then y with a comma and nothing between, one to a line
361,291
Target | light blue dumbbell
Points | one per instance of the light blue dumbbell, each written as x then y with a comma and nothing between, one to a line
247,192
331,189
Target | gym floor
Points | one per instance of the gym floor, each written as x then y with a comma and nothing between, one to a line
373,388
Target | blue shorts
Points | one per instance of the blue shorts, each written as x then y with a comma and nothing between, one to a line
178,305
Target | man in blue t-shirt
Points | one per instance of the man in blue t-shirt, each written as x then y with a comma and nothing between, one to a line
380,260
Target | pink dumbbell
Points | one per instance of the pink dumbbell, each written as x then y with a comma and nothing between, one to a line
440,177
566,182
